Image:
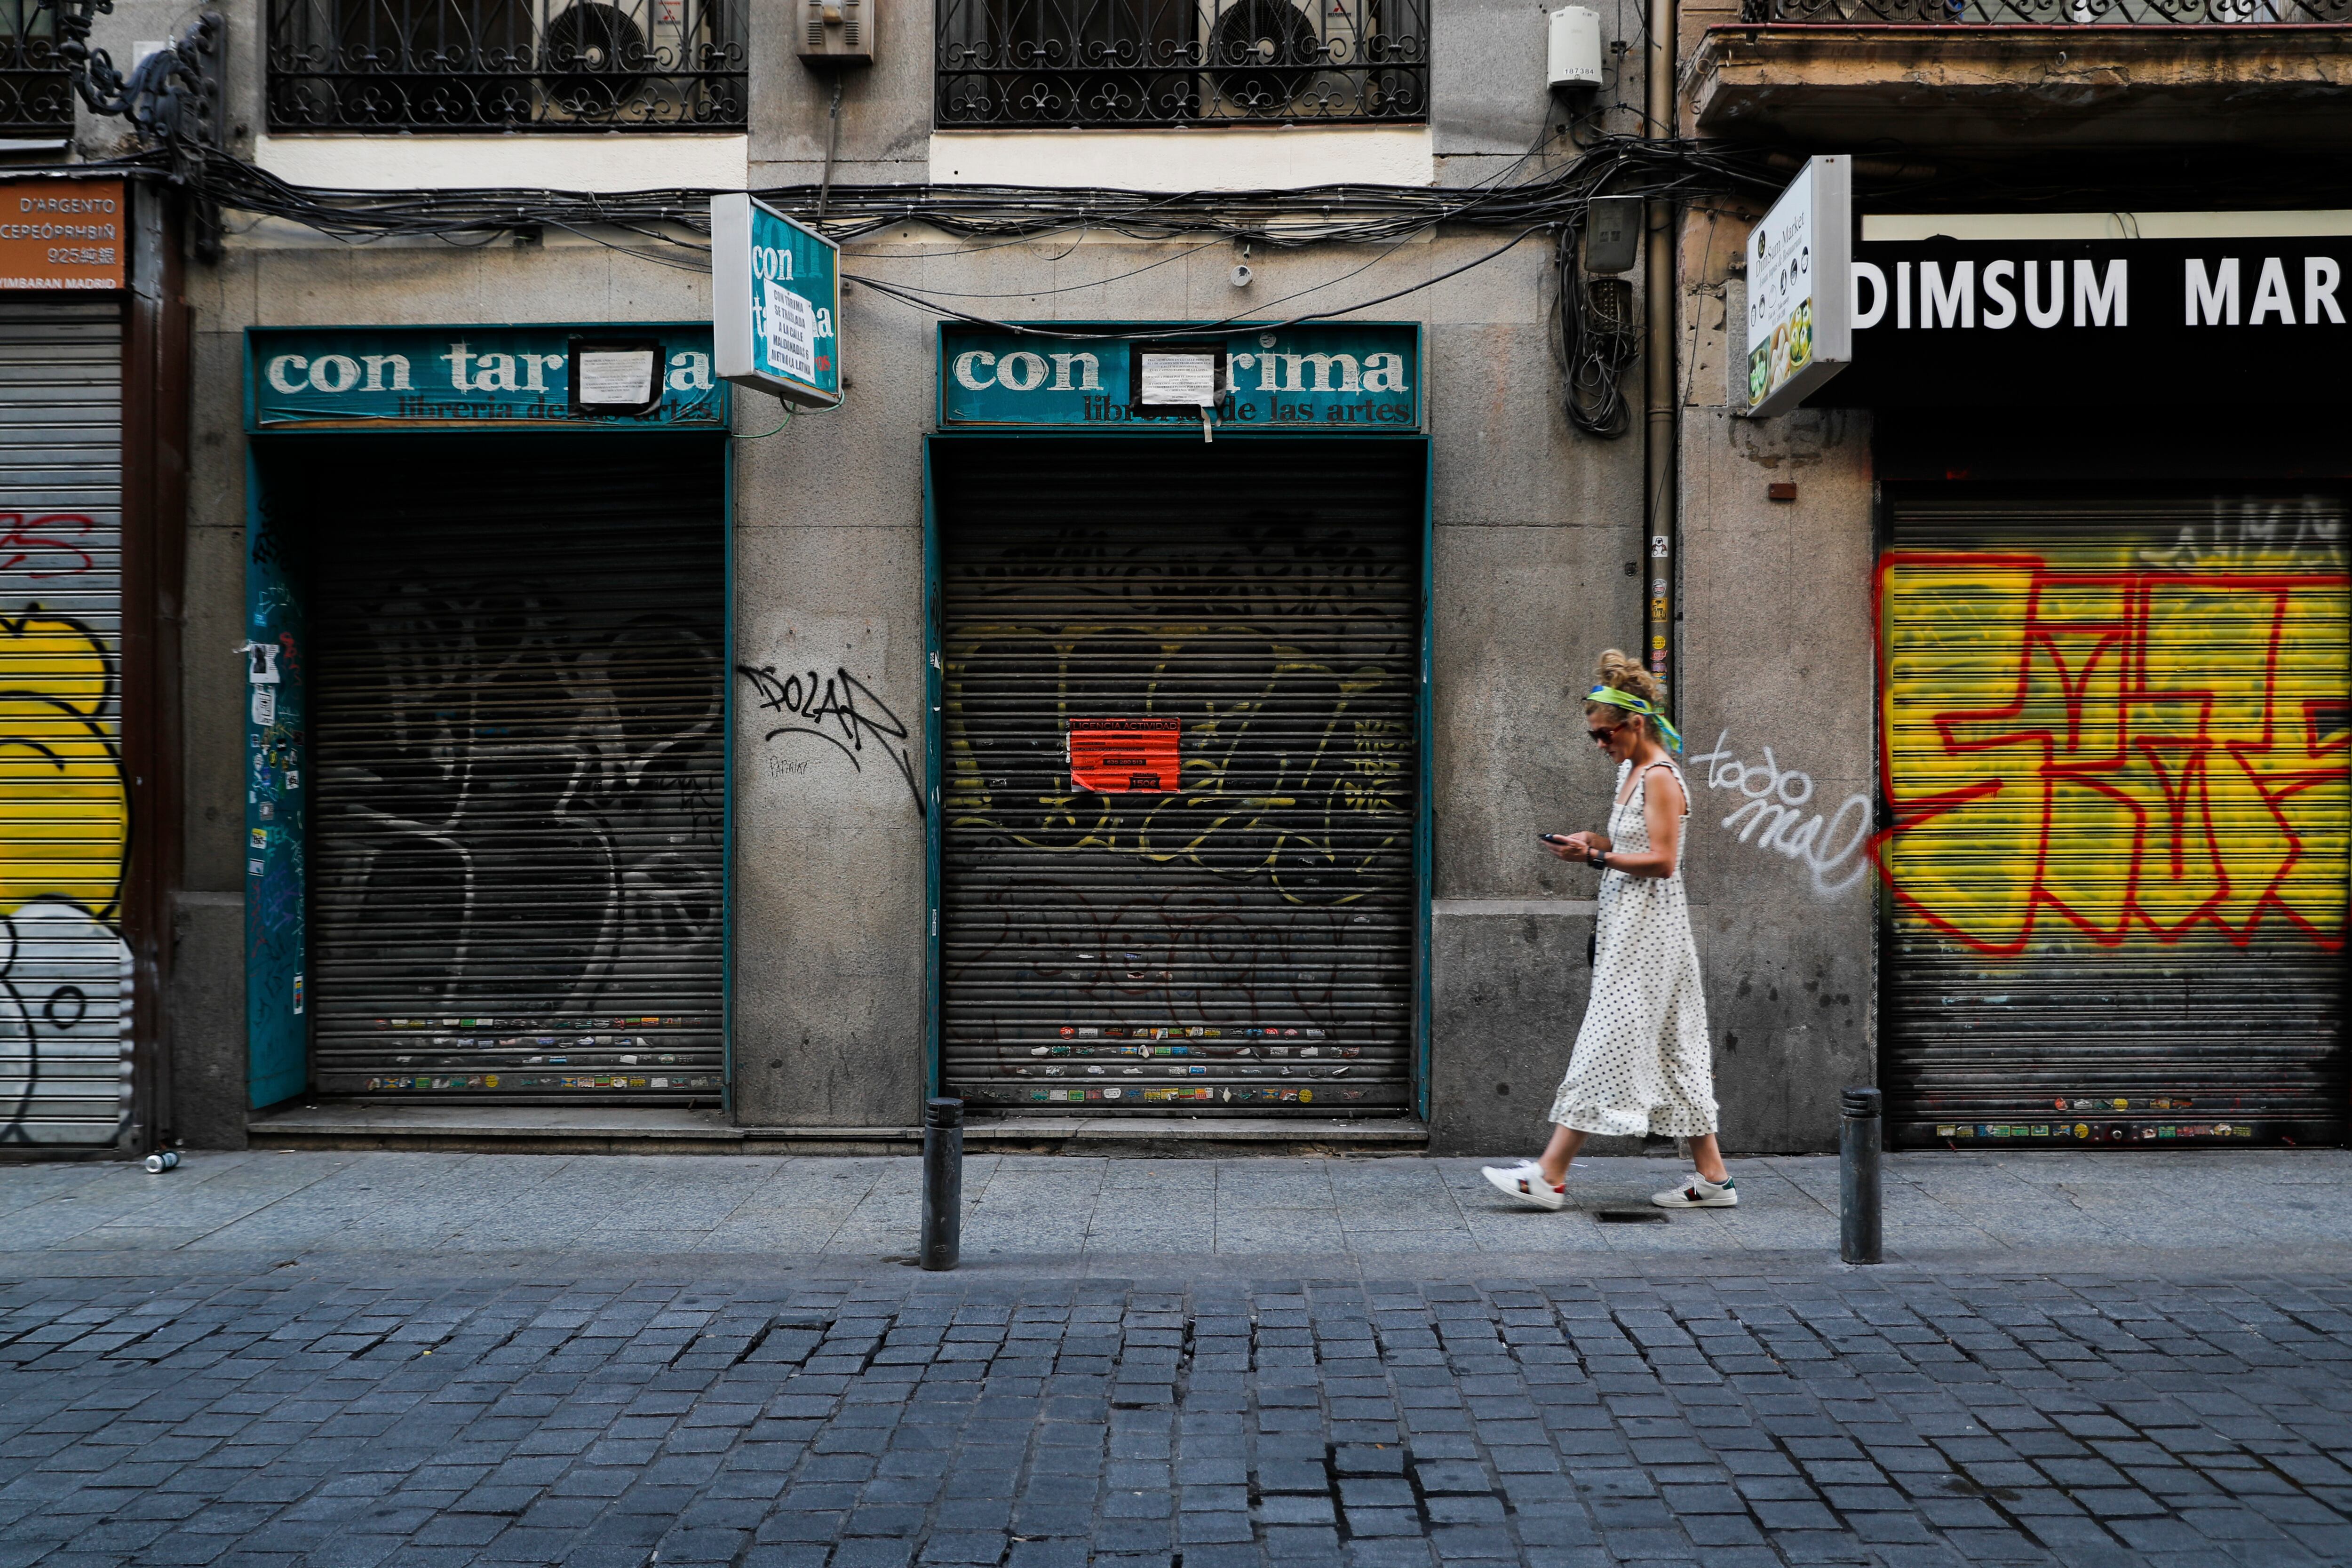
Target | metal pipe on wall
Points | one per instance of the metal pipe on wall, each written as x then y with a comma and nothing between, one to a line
1661,537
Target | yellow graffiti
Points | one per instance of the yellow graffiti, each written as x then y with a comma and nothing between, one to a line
2072,738
1339,813
65,816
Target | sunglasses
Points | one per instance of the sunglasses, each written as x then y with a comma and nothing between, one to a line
1600,737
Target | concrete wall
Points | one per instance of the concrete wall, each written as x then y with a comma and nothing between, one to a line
1536,568
1778,705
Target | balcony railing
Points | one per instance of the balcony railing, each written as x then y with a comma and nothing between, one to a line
37,101
2049,13
506,65
1005,63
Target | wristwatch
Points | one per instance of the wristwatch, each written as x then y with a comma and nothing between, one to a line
1597,859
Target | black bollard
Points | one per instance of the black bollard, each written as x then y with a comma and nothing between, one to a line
1858,1144
942,1182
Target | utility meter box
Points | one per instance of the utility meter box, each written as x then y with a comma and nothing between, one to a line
1573,59
1613,234
837,32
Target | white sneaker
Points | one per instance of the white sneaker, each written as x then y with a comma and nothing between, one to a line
1524,1182
1701,1193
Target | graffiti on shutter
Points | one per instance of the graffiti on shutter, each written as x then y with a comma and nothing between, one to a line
65,814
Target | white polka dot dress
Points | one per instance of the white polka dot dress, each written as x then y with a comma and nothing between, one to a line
1641,1063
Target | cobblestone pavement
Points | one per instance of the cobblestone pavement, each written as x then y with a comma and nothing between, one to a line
341,1417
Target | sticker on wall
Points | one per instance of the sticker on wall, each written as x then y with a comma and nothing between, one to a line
1125,756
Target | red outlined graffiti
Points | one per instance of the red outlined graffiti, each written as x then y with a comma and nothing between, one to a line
39,536
2146,753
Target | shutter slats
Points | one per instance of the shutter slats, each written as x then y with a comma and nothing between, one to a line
2141,942
1243,947
65,1068
517,692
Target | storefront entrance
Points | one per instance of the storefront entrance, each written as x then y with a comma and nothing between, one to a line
514,819
1180,774
2113,742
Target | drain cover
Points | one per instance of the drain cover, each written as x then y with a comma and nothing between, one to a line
1630,1217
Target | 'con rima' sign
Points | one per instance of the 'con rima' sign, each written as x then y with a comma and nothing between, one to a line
1347,377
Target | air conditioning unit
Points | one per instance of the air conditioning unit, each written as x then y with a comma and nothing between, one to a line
1262,54
593,58
837,32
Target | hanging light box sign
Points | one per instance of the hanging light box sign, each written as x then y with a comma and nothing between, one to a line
776,293
1800,304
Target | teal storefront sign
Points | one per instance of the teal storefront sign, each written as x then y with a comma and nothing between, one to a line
465,378
775,303
1345,377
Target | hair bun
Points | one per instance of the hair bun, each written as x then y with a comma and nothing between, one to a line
1624,671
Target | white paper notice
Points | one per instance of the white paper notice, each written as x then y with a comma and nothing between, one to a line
790,334
616,377
1186,381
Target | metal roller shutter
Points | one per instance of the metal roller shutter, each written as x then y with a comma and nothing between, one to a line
517,696
1245,941
2115,744
65,818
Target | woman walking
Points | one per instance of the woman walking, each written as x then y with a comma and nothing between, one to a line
1640,1062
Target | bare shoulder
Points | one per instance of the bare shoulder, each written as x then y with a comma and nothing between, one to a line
1662,777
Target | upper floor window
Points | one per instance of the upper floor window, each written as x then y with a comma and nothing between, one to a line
505,64
1181,62
37,101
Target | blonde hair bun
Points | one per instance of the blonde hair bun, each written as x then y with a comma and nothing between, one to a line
1624,671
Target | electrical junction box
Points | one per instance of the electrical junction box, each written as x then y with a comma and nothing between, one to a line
837,32
1613,234
1573,59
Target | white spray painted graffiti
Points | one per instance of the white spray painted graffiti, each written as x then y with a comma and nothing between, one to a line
1771,816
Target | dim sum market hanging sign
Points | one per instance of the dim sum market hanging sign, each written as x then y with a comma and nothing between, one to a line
1338,377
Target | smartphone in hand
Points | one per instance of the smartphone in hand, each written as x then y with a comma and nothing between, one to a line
1553,837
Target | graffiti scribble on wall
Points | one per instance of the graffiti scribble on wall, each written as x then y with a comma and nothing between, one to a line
2185,723
65,828
839,710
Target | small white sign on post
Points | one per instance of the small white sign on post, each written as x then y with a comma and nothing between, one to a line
1799,288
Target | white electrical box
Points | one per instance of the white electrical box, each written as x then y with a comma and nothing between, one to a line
839,31
1574,56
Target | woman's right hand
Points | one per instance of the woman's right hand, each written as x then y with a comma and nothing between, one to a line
1572,846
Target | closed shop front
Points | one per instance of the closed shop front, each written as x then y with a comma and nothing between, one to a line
492,759
65,1050
2114,736
1178,769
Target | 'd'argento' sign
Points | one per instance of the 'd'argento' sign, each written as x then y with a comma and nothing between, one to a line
63,233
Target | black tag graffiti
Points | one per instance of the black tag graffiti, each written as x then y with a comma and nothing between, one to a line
839,702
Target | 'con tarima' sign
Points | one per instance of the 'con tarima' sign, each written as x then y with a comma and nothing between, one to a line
464,378
775,303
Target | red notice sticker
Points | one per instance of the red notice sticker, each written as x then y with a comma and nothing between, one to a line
1125,756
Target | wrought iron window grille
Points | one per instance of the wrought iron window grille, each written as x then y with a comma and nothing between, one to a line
2049,13
454,66
36,95
1052,63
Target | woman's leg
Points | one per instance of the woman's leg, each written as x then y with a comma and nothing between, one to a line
1708,1157
1560,1151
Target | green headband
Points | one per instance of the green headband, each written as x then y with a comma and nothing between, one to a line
1632,704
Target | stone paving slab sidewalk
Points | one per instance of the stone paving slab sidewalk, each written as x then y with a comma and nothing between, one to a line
343,1361
345,1416
2283,1209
